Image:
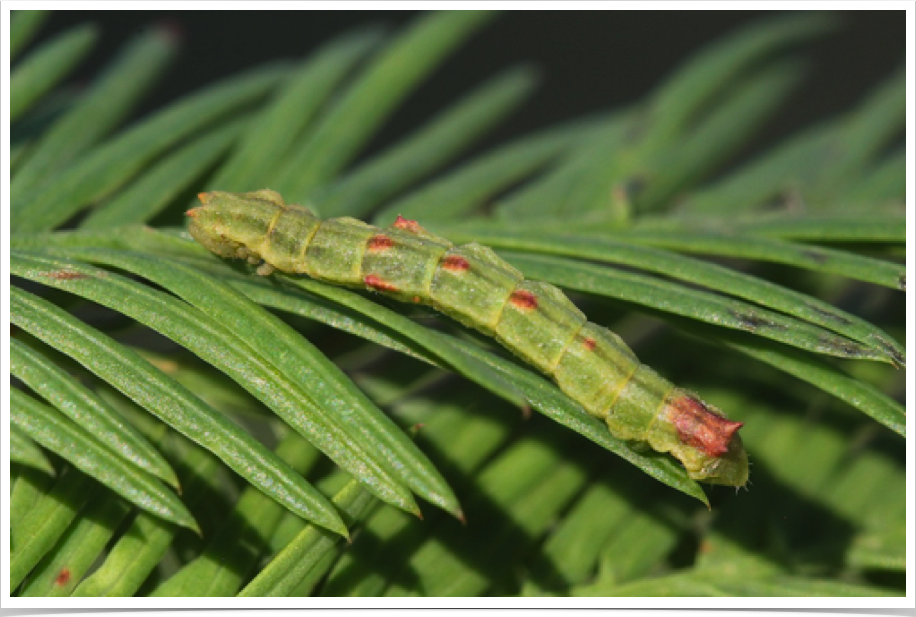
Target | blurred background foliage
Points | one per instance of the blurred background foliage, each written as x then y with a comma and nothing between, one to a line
745,241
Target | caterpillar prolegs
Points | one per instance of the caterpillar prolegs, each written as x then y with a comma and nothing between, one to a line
471,284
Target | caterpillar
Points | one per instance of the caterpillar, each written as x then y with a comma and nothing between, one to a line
471,284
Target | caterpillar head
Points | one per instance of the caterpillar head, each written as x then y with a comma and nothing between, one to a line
729,469
708,442
234,224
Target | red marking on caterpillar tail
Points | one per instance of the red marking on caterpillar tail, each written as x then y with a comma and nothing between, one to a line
192,212
416,299
523,300
407,225
379,243
700,427
205,197
590,344
63,577
456,263
376,282
64,275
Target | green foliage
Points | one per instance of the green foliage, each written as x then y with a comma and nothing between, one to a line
160,390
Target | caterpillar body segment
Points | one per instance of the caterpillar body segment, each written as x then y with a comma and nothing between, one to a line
471,284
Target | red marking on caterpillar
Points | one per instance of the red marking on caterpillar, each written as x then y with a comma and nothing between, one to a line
379,243
63,577
407,225
205,197
192,212
700,427
456,263
589,344
376,282
416,299
523,300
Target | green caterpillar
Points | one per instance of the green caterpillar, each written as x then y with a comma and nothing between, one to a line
470,283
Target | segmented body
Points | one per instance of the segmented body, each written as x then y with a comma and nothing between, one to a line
470,283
